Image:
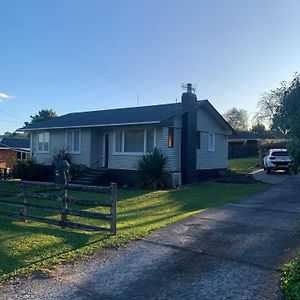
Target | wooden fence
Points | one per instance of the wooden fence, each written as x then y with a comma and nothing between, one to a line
63,197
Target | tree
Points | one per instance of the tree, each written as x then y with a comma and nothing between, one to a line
269,103
237,118
258,127
287,117
42,115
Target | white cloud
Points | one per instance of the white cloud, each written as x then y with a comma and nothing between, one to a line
5,97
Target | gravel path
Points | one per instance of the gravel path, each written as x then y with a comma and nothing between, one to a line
236,251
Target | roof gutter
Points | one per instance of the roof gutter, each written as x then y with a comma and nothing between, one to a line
90,126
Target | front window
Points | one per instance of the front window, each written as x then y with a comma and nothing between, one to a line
170,137
134,141
73,141
43,142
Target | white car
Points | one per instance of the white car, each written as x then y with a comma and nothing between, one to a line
277,159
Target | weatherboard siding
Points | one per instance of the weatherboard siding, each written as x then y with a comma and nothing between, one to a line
217,159
173,154
58,142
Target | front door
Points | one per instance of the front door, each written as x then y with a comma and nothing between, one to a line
106,149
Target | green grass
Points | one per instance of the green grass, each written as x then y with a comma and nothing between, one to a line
243,165
25,247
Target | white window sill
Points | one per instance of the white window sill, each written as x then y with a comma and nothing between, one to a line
129,153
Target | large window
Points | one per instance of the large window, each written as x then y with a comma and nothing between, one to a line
211,142
73,141
43,142
134,141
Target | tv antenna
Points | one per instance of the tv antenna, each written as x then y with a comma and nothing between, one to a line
189,88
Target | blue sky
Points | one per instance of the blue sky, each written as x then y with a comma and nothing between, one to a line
89,55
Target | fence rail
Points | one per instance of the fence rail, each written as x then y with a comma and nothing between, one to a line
64,199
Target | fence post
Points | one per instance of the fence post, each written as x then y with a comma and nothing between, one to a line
24,201
64,215
113,209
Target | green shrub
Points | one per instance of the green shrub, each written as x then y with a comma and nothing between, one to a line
76,170
291,279
32,171
152,170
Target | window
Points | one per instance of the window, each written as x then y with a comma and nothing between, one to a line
21,155
134,141
170,137
211,142
73,141
43,142
198,140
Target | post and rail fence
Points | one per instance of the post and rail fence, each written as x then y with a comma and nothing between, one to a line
25,196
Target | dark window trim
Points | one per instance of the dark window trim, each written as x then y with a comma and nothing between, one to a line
198,139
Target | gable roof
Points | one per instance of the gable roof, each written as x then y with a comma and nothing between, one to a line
153,114
15,143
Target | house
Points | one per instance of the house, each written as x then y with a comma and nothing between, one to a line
192,134
12,150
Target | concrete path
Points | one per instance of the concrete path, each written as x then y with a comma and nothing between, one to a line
236,251
273,178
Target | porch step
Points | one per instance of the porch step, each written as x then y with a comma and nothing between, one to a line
89,177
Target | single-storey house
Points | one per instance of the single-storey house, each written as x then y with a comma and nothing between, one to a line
192,134
12,150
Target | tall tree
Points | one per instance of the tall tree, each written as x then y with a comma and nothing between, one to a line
237,118
42,115
287,117
258,127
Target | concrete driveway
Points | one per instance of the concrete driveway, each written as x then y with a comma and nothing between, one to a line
236,251
273,178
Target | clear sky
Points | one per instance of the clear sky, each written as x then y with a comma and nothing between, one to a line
80,55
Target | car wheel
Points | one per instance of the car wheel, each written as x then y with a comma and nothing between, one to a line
268,170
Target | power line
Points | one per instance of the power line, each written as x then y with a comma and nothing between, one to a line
12,115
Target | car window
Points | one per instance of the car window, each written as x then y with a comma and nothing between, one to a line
280,153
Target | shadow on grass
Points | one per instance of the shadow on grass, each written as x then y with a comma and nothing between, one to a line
20,254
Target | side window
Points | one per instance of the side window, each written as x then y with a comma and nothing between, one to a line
198,140
170,137
211,142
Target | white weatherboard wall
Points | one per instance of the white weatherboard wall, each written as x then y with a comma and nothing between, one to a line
173,154
217,159
130,161
58,141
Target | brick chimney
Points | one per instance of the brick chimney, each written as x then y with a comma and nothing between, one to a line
188,136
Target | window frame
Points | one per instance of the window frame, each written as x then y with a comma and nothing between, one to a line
72,151
123,141
44,133
211,147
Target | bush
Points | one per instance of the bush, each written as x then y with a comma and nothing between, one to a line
152,170
291,279
32,171
76,170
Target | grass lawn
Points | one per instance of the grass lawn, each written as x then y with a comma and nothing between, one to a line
243,165
28,246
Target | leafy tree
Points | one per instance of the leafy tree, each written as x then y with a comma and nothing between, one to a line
258,127
237,118
42,115
287,117
269,104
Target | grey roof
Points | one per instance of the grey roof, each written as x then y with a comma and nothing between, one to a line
153,114
15,143
112,117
